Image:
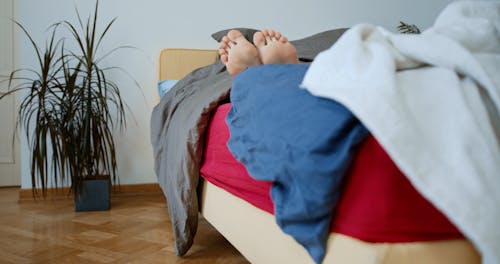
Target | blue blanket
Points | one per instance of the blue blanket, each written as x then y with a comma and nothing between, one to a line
302,143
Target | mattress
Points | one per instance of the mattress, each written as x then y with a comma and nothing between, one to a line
378,203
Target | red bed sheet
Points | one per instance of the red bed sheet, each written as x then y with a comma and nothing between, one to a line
378,203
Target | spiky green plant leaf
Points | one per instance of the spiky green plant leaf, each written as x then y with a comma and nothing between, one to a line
407,28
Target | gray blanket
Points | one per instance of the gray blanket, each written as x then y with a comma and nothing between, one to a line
178,125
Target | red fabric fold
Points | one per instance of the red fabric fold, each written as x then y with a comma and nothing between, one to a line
378,203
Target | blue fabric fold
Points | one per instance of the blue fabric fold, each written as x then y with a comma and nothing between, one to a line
303,143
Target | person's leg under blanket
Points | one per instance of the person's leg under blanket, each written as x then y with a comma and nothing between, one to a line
303,143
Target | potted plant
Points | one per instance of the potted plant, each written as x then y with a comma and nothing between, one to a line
69,109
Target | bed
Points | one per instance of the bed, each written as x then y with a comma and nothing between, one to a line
201,134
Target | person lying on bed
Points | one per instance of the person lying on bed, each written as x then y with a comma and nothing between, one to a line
270,47
283,134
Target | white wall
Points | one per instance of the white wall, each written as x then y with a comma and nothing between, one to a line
151,25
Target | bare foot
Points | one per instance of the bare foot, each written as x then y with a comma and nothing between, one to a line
237,53
274,48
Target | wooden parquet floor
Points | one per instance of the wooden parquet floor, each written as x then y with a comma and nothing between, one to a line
137,229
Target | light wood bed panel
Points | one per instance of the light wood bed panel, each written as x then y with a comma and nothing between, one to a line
177,63
257,236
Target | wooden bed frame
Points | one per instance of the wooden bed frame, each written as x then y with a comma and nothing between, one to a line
259,239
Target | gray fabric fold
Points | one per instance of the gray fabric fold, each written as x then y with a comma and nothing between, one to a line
178,125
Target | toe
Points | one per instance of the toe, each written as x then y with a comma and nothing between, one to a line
266,34
223,45
234,35
274,35
224,58
271,33
277,35
259,39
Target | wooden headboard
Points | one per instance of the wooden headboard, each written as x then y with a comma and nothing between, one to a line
177,63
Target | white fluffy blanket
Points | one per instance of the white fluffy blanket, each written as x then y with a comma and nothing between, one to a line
433,101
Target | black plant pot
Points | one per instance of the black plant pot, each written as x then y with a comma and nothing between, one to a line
93,195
